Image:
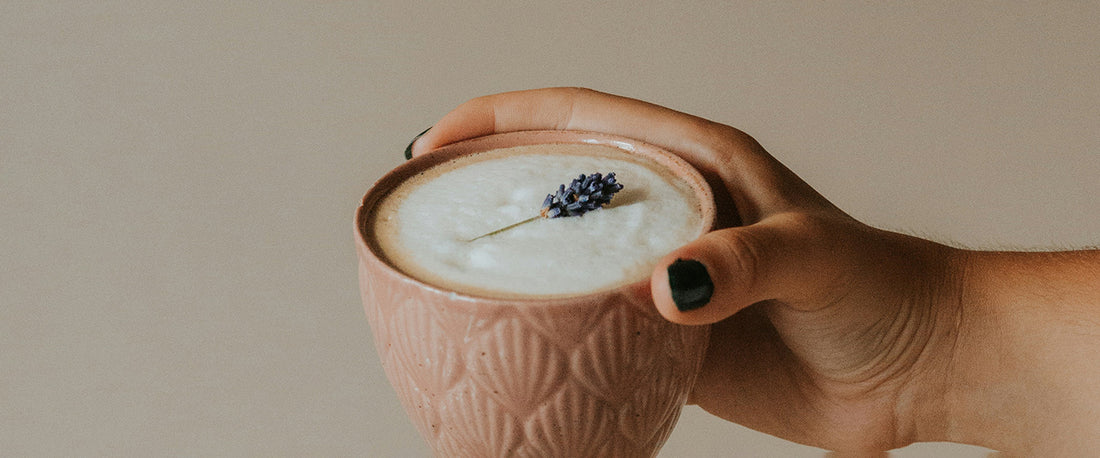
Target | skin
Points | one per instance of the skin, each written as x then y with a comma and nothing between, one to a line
834,334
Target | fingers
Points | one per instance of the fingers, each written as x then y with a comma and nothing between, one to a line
784,258
757,182
546,109
564,108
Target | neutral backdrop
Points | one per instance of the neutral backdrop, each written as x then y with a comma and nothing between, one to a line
178,180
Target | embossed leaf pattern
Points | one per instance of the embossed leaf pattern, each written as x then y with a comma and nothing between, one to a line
608,361
418,340
421,410
481,381
462,324
562,328
573,423
651,406
370,290
518,367
477,425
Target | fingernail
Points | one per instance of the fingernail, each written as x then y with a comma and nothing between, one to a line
409,149
690,284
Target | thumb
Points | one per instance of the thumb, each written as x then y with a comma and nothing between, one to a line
725,271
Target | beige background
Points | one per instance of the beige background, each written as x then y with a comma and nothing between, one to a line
177,180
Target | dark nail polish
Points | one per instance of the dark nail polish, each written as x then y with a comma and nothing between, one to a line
690,284
409,149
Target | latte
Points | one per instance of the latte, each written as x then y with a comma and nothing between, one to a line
426,227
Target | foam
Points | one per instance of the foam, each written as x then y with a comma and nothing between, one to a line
424,226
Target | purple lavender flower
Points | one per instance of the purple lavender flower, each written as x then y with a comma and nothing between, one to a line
584,194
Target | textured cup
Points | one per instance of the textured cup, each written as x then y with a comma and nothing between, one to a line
600,374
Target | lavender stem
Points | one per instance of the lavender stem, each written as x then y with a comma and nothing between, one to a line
528,220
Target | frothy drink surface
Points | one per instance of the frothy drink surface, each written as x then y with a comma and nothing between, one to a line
424,226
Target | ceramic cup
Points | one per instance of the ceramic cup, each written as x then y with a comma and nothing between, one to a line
600,374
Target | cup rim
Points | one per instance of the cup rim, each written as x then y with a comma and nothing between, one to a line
388,182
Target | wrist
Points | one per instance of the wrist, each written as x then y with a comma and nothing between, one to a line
1022,373
929,401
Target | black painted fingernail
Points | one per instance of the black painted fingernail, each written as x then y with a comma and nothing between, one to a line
690,284
409,149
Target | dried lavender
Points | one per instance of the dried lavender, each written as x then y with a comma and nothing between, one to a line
584,194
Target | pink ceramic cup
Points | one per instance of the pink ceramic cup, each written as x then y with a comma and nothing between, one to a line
600,374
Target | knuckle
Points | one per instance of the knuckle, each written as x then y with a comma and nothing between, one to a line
742,254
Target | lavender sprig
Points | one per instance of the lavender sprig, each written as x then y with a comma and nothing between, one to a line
584,194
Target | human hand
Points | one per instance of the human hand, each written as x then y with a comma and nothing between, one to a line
825,331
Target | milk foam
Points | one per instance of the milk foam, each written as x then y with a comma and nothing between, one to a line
425,225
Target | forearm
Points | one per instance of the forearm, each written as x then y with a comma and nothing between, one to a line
1024,375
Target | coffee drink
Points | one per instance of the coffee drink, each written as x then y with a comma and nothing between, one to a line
428,227
543,339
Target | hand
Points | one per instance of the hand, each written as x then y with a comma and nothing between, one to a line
825,331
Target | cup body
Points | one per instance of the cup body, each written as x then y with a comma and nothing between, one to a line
599,374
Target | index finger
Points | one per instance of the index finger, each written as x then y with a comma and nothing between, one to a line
564,109
758,183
